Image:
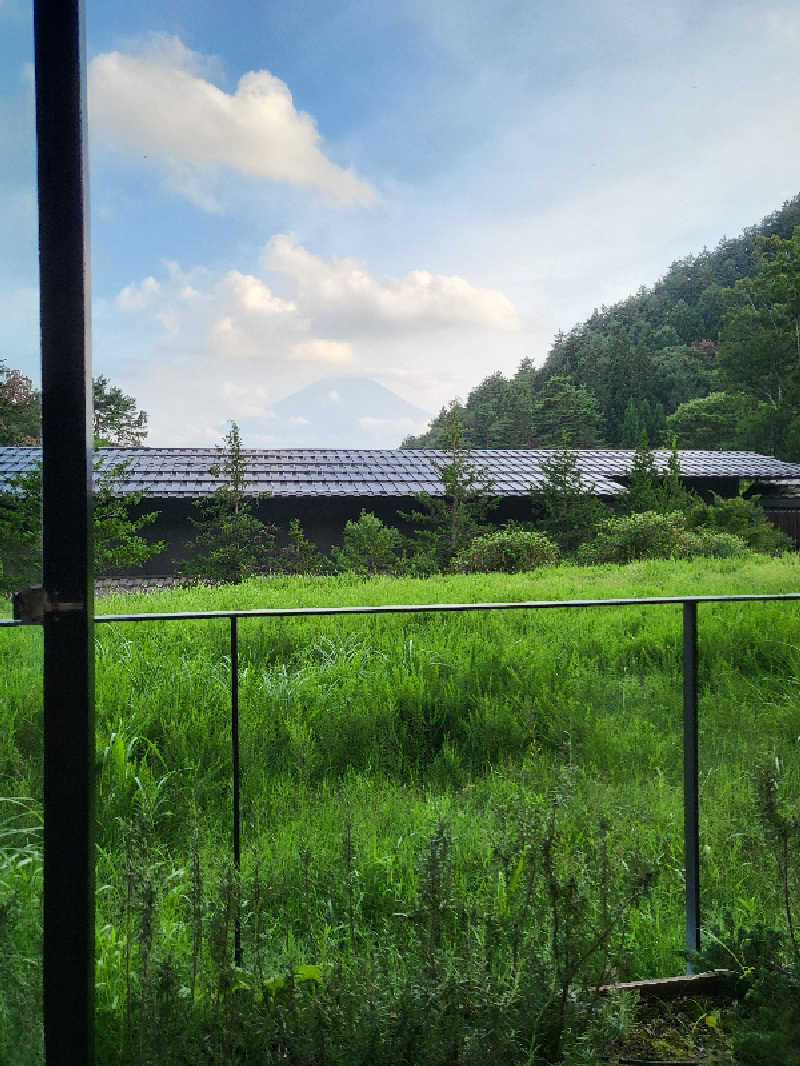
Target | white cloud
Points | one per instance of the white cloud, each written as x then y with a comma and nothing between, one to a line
157,104
342,291
251,295
230,347
138,296
336,353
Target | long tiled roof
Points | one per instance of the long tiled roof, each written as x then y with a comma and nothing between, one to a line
185,472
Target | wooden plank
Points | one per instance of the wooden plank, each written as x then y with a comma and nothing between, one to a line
710,982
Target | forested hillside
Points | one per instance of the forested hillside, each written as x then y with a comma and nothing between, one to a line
710,355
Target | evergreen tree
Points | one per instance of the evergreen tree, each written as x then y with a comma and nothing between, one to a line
566,510
645,491
759,351
721,420
118,543
631,425
232,544
446,524
21,533
300,555
563,409
674,495
484,408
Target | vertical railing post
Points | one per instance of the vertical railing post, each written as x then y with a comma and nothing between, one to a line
691,800
68,567
237,840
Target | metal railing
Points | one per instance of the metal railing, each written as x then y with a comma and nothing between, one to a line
691,798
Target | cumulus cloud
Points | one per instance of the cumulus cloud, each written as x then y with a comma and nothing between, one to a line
343,291
138,295
234,347
251,295
158,104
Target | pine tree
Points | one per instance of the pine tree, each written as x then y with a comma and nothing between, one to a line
566,509
447,523
300,555
232,544
675,497
645,490
631,425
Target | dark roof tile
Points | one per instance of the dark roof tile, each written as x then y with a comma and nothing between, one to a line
184,472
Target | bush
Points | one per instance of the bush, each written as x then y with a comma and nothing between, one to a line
717,545
743,518
417,562
648,535
509,550
368,546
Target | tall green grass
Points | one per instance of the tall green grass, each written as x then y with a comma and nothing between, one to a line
365,737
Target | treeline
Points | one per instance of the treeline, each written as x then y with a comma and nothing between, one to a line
710,355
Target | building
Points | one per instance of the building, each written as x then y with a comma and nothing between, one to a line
323,488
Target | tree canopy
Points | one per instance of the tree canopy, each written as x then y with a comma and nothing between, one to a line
721,323
20,408
117,419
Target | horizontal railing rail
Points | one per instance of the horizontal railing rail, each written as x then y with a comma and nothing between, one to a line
420,608
688,604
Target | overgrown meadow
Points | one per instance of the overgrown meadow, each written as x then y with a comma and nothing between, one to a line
452,825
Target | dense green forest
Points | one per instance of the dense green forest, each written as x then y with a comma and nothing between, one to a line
709,355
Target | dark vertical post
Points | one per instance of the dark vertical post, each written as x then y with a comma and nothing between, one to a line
691,802
237,928
66,535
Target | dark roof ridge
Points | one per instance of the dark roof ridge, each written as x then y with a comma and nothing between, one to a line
184,472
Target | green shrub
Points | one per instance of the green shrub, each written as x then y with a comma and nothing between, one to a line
717,545
743,518
649,535
508,550
368,546
417,562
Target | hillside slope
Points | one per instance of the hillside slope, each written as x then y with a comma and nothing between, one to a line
629,366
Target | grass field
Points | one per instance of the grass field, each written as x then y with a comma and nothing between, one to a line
435,807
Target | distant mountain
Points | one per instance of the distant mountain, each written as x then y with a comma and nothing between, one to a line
340,412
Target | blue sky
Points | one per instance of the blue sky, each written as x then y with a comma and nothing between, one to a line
416,193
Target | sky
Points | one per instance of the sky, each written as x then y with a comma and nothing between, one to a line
416,193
